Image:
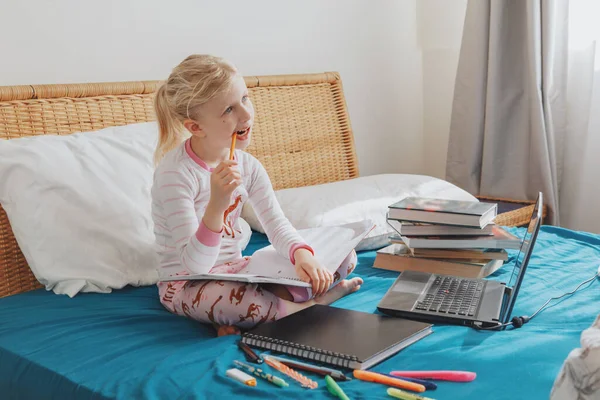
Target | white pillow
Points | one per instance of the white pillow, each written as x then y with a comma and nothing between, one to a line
79,206
354,200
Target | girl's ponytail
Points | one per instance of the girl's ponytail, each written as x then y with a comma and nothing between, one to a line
169,127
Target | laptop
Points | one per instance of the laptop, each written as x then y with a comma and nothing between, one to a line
450,299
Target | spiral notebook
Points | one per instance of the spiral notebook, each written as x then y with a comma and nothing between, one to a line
331,244
331,335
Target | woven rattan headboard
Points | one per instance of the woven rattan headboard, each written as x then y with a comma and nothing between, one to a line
302,133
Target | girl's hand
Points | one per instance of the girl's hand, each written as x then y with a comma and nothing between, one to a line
223,181
309,270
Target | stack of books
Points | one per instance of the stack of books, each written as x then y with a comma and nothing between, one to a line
445,237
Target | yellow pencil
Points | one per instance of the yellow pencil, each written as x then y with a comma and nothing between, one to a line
232,146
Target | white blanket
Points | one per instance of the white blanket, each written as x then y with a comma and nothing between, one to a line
579,377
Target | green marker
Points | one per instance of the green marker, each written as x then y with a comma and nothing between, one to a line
401,394
335,389
259,372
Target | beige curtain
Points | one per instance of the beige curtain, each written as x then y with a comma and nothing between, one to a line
509,109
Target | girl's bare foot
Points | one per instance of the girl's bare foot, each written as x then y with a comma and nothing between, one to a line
340,290
223,330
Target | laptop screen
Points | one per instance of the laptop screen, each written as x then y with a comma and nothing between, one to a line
524,254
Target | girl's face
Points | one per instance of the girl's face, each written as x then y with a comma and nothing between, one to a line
228,113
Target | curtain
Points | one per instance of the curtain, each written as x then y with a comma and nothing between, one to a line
580,187
509,112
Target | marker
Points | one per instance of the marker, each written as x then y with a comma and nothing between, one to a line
335,389
250,354
298,377
428,384
241,376
334,373
275,380
386,380
452,376
401,394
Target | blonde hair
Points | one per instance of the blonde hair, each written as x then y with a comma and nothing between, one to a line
195,81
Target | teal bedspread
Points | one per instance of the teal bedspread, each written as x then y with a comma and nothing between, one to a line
124,345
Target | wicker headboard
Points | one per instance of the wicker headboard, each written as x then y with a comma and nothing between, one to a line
302,133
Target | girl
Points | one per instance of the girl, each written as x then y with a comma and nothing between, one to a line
197,197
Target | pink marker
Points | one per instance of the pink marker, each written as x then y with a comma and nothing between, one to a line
453,376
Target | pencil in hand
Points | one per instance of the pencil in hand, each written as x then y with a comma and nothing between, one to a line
233,139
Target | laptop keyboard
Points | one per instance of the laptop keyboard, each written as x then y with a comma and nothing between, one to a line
454,296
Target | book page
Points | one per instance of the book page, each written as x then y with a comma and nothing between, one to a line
331,245
237,278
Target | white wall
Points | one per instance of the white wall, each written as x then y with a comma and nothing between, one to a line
440,35
373,44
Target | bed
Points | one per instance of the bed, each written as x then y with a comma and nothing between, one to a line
125,345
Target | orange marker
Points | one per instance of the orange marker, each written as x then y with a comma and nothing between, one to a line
233,139
298,377
386,380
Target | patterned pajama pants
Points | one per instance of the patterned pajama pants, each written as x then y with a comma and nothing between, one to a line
244,305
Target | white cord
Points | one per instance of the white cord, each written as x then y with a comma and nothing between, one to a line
565,294
545,304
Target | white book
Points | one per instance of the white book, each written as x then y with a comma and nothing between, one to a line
331,245
500,239
419,229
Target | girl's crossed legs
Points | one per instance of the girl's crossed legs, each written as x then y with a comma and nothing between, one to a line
228,304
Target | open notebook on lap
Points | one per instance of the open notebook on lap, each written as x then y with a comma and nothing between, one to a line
331,244
456,300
